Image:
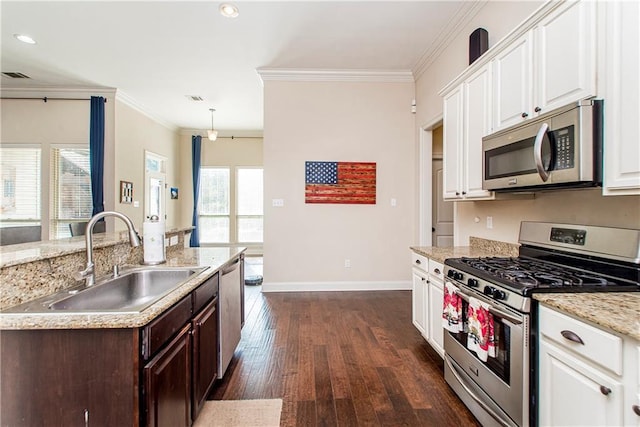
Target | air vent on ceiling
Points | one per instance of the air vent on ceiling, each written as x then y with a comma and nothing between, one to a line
195,97
16,75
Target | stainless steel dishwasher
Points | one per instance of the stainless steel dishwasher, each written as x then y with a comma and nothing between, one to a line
229,309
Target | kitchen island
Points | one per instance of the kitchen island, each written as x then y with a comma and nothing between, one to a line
153,367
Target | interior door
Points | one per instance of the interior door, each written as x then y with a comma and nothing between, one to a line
442,229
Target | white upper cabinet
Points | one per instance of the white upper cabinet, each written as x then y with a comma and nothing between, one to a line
549,66
513,87
452,144
466,119
565,56
477,123
622,95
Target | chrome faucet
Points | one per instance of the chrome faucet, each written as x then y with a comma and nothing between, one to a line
134,240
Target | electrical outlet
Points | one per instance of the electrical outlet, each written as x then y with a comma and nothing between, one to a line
347,263
394,202
278,203
489,222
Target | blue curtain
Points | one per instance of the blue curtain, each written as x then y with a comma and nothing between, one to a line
96,153
196,148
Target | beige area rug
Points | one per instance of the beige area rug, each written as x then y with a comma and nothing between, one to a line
240,413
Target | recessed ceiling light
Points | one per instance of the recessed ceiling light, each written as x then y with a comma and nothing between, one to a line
24,38
229,10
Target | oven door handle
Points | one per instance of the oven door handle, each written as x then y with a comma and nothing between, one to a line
475,397
492,309
541,137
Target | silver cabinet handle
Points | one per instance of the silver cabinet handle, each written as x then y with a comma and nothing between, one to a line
572,336
541,137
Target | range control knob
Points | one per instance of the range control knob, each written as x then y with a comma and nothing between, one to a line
451,273
498,294
488,290
473,283
458,276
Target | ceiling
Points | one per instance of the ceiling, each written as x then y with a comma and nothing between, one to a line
157,53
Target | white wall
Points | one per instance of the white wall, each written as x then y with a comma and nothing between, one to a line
575,206
136,132
306,244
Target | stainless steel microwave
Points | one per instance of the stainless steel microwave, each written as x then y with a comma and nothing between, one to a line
559,149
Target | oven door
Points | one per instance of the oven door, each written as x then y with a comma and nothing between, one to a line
496,391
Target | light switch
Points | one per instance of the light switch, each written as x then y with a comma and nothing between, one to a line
394,202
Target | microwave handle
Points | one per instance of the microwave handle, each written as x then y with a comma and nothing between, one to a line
537,151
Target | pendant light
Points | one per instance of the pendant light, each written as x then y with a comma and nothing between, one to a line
212,134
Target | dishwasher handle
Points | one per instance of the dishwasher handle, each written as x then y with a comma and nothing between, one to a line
231,267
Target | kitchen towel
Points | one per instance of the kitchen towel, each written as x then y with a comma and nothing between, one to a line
481,337
153,242
452,309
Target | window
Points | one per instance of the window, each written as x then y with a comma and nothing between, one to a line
250,207
230,207
21,186
214,205
71,189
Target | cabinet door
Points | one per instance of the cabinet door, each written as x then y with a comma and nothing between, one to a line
565,58
205,354
574,393
477,123
452,144
512,89
167,384
419,301
622,108
435,298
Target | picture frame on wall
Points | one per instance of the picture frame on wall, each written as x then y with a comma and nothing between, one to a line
126,192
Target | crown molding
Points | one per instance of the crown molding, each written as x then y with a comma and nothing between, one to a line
463,16
130,102
308,75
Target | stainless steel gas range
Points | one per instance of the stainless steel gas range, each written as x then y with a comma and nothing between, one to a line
500,389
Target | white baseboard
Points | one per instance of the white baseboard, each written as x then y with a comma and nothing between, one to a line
335,286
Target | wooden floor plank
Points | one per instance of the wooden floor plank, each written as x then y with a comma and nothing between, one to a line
340,359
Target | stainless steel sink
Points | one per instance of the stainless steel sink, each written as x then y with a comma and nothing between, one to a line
132,291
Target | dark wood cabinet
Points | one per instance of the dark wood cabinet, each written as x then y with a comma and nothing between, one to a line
69,377
167,384
204,328
156,375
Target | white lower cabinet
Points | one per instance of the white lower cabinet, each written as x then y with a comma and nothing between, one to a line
588,376
419,301
427,299
436,297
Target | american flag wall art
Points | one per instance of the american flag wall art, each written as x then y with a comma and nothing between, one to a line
340,182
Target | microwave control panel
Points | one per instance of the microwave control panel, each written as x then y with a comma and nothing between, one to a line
564,147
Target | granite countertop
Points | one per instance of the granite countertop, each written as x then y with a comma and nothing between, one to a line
214,258
618,311
478,248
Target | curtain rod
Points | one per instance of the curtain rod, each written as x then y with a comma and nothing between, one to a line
45,99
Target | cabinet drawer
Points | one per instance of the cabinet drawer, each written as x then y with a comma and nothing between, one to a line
436,269
419,261
597,345
205,292
158,332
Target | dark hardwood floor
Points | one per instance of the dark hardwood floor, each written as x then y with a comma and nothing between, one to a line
340,359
